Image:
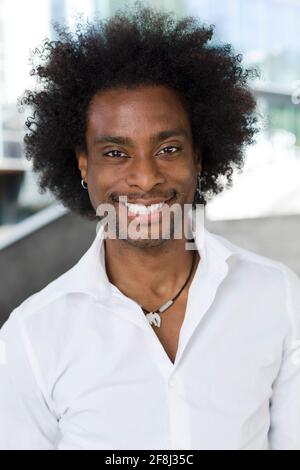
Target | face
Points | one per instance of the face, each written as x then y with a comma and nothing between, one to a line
139,145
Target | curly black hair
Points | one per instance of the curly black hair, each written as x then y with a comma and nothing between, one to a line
138,47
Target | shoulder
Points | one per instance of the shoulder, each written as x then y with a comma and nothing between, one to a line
52,294
42,327
264,280
46,311
254,261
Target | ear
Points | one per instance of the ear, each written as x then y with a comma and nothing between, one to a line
82,160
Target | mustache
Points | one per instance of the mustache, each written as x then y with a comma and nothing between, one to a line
114,197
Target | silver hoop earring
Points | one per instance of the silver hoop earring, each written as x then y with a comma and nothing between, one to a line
82,184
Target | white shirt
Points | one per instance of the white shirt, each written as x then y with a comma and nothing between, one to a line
81,367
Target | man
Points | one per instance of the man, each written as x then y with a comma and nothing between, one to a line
146,343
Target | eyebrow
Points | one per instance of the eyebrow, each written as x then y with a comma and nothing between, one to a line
117,139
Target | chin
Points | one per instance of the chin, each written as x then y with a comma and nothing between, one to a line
145,243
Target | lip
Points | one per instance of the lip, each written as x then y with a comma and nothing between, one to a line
148,202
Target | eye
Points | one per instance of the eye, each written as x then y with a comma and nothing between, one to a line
119,154
170,147
114,152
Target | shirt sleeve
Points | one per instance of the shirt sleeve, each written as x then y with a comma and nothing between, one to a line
26,422
284,431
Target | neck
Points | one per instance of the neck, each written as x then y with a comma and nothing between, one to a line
159,272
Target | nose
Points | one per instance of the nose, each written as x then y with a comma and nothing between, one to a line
144,174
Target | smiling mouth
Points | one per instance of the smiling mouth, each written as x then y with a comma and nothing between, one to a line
146,207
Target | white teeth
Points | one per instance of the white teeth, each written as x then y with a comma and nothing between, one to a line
141,209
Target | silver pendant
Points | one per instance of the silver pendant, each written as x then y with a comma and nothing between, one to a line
153,318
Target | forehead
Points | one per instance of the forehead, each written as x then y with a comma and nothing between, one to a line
143,108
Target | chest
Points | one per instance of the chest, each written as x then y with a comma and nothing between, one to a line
170,326
113,391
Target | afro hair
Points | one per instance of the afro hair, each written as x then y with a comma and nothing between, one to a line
138,47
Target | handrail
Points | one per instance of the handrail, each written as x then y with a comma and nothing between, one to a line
31,224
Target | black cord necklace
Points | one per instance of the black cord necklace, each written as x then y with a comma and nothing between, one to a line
154,316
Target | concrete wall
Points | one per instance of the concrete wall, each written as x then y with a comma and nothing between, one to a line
275,237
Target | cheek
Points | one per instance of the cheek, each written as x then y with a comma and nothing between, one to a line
180,171
189,182
104,180
188,176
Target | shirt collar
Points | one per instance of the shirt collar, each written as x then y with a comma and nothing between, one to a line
89,275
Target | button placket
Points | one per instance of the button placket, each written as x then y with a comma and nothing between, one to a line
179,414
172,381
